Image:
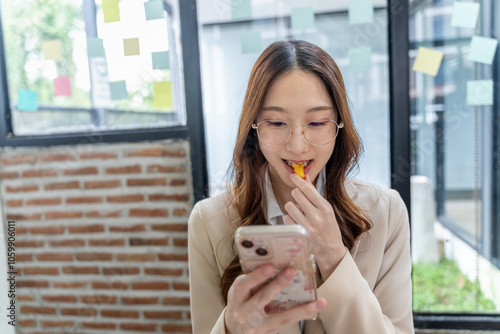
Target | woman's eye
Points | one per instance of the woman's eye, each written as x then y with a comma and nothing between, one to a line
317,124
276,124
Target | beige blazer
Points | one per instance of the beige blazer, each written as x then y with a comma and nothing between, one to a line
369,292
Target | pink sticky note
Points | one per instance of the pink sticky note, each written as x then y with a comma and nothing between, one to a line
62,86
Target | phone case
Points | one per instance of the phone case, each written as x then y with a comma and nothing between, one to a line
281,246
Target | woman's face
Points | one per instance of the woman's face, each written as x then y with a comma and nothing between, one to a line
297,98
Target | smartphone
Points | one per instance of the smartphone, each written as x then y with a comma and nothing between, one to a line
282,246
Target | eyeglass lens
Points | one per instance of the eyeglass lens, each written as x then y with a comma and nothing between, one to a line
319,132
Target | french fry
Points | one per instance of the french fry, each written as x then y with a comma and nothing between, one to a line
299,170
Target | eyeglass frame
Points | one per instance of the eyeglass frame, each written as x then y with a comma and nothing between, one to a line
339,126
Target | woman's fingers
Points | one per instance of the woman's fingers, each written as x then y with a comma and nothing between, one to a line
272,289
242,286
303,312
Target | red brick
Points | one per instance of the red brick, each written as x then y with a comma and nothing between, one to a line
23,188
37,310
170,227
71,270
166,169
102,184
19,216
84,200
138,327
148,213
25,298
146,182
81,171
20,159
103,214
140,300
32,284
163,271
125,198
69,285
176,301
172,328
40,271
150,285
9,175
100,325
121,271
54,257
180,212
39,173
169,198
173,257
89,312
158,152
47,230
180,242
132,228
21,230
99,299
29,243
135,257
48,323
43,201
117,285
63,214
162,314
57,157
62,185
107,242
181,286
24,257
26,322
148,242
59,298
14,203
119,314
67,243
96,228
94,256
124,169
98,155
178,182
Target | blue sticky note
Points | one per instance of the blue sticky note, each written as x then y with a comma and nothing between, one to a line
360,59
479,92
27,100
118,90
465,14
251,42
360,12
95,47
154,9
241,9
161,60
302,18
482,49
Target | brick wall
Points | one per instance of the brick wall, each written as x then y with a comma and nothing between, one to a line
101,236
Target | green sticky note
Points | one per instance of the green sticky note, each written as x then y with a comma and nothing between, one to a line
241,9
251,42
118,90
482,49
360,59
27,100
111,10
480,92
52,49
162,94
131,47
428,61
154,9
360,12
95,47
302,18
465,14
161,60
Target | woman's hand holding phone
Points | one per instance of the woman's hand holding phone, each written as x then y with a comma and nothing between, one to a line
245,311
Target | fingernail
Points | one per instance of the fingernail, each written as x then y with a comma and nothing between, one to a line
320,303
289,273
267,271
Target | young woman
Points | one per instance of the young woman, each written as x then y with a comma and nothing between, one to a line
296,111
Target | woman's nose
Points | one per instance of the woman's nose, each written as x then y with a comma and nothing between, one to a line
297,143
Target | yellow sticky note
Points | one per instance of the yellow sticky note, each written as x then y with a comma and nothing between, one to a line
131,47
111,10
52,49
428,61
162,94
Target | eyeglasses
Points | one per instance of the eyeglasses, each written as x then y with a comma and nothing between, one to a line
319,132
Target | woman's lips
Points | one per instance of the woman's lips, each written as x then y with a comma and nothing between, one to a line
290,168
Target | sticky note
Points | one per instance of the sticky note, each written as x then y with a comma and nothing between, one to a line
111,10
52,49
27,100
482,49
62,86
479,92
428,61
162,94
131,46
95,47
464,14
241,9
251,42
154,9
360,59
161,60
302,18
360,12
118,90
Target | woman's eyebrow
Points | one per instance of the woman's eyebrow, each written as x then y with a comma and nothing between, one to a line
279,109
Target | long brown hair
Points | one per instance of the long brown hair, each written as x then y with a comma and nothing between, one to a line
249,165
